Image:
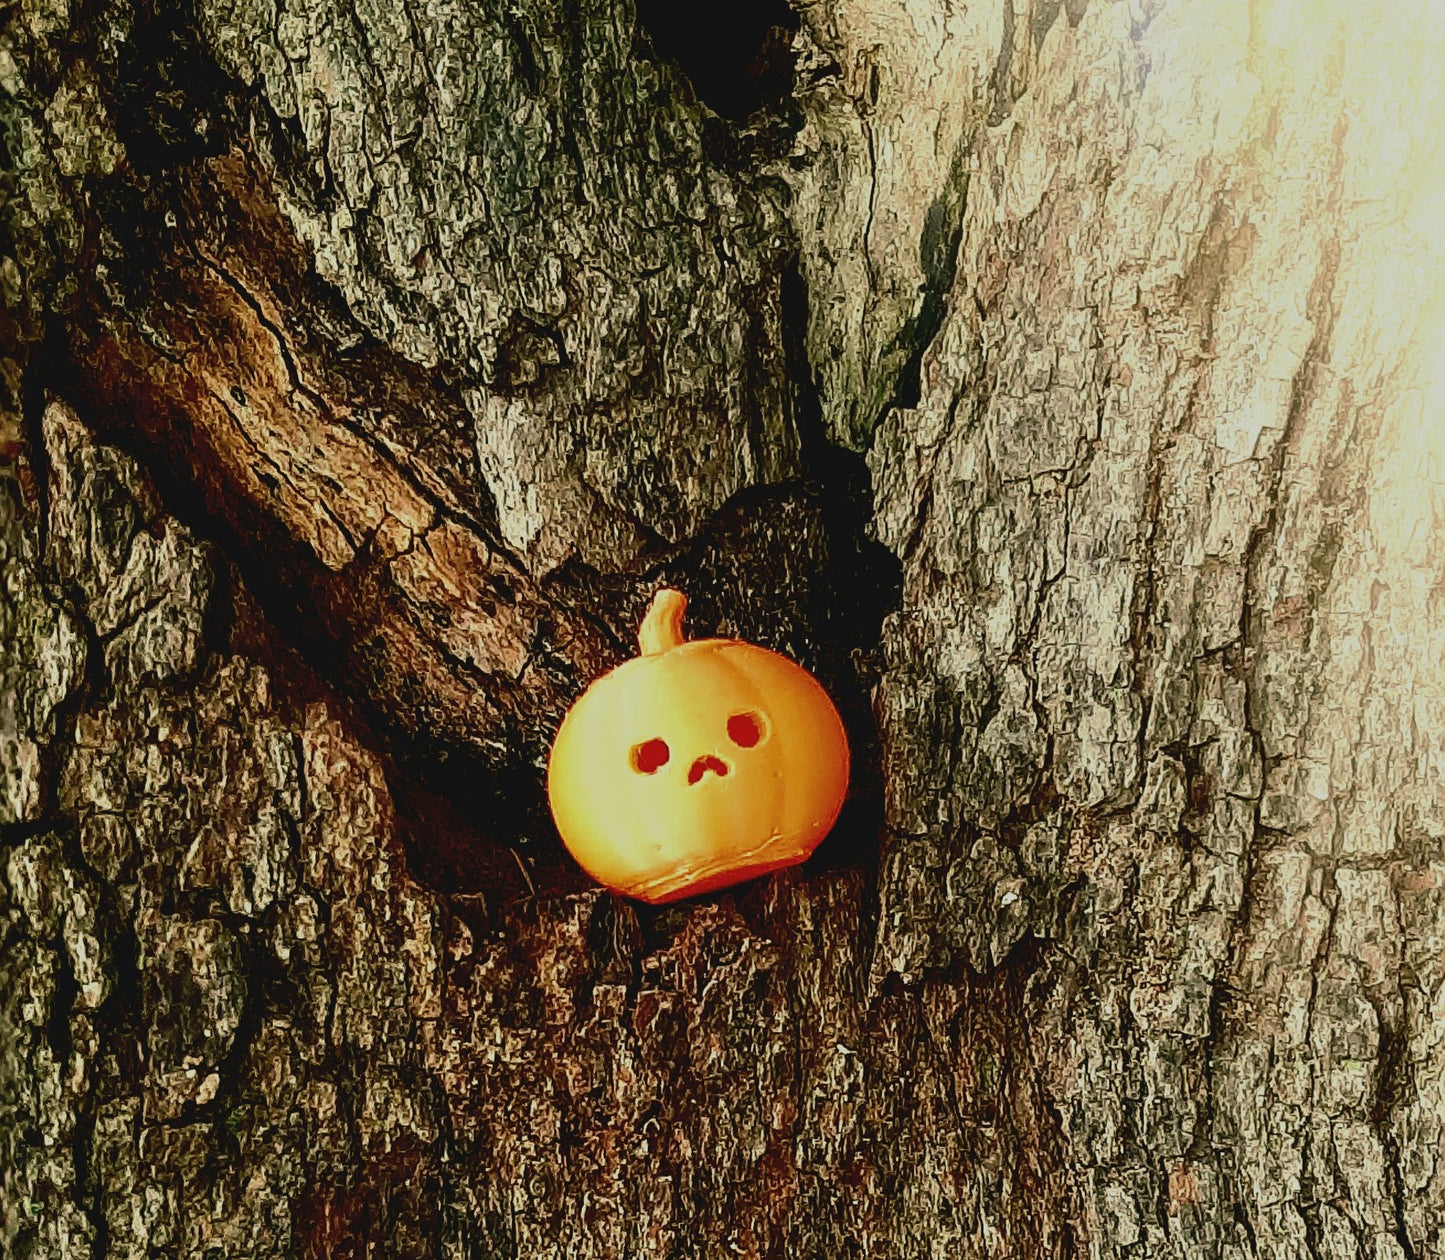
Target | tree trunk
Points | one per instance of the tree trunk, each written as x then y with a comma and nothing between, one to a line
1053,378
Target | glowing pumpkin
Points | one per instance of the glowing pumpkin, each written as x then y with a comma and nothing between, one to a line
696,765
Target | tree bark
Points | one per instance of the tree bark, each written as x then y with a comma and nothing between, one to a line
1056,379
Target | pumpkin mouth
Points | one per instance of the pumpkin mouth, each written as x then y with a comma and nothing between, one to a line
704,765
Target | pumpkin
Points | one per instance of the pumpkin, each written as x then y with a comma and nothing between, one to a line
696,764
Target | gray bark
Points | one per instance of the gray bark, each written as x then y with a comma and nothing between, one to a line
1054,379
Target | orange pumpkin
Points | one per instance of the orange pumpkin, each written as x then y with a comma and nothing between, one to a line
696,765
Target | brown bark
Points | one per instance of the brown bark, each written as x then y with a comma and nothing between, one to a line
1048,377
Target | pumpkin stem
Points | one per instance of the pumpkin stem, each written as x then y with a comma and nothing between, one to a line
662,627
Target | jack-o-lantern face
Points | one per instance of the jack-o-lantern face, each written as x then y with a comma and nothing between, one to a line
696,765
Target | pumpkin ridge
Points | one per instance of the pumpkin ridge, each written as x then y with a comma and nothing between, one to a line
689,875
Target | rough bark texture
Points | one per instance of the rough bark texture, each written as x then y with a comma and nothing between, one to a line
1053,378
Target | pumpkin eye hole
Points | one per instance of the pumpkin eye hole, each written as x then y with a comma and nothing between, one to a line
746,729
650,756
